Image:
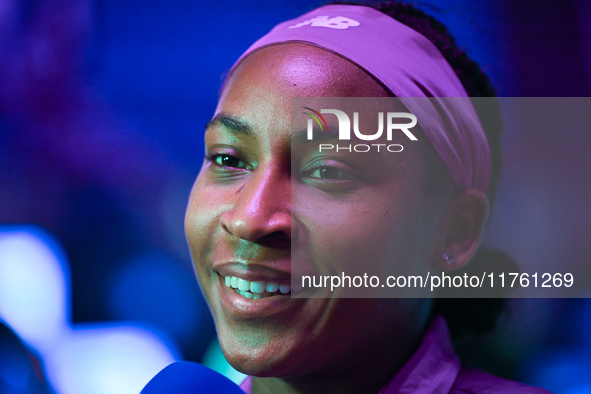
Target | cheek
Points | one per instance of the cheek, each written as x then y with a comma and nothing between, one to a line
380,234
205,206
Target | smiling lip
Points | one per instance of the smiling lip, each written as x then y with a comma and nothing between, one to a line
253,272
269,303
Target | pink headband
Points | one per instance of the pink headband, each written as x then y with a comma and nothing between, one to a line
409,65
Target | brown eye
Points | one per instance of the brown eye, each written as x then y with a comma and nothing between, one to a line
330,173
325,173
228,161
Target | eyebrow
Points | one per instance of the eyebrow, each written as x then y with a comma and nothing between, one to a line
301,136
234,125
239,126
332,133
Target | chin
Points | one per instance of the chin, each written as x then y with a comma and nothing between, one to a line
267,360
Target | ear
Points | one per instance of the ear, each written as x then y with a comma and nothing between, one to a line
463,226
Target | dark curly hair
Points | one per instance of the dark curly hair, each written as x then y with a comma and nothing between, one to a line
464,315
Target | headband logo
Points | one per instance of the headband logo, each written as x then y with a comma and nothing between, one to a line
338,22
344,133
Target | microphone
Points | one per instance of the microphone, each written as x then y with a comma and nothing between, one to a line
185,377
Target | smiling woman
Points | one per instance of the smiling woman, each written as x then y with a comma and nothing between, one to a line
260,198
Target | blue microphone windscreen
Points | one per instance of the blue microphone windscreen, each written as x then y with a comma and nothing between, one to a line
190,378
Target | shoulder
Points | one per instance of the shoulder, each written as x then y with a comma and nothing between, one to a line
473,381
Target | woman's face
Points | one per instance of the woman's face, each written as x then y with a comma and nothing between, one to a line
254,200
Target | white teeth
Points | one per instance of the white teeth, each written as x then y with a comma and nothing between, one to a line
256,289
245,294
243,284
272,287
284,288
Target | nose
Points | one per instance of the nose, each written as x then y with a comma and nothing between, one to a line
262,209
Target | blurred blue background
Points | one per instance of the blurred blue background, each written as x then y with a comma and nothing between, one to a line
102,110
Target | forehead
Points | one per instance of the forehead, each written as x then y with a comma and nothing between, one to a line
260,88
298,70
